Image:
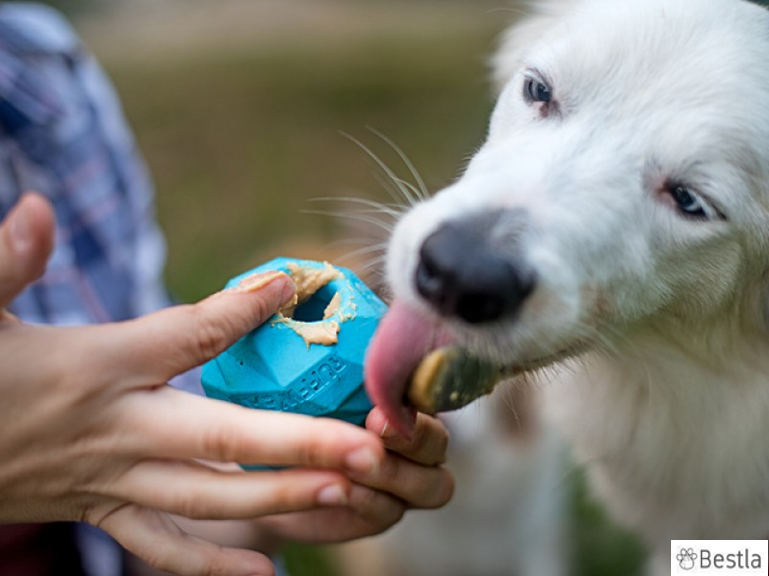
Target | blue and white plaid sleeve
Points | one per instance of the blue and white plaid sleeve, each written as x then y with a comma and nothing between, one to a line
63,133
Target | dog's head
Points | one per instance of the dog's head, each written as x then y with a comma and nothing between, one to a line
624,185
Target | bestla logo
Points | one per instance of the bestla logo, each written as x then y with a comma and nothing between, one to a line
720,557
686,558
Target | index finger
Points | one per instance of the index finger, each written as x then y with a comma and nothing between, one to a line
166,343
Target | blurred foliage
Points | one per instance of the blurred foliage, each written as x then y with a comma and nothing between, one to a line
240,143
308,561
600,548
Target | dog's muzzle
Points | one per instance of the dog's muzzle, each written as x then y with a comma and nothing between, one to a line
468,271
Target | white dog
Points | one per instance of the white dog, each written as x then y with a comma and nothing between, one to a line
615,226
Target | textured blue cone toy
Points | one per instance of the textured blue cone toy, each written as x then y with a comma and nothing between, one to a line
308,358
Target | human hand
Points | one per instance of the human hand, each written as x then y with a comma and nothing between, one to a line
411,476
90,431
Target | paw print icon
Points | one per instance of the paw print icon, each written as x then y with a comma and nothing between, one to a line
686,558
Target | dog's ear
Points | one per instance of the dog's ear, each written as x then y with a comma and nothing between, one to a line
540,16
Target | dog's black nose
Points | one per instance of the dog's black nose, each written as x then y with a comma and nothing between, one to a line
461,274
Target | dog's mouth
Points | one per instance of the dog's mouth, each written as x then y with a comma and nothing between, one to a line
404,337
415,362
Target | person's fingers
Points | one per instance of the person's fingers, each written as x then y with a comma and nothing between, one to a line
427,444
158,346
26,241
369,512
183,425
196,491
417,485
156,539
376,508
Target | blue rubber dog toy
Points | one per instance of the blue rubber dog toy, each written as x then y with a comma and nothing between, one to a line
291,362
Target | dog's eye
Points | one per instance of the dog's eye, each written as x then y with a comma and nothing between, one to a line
537,91
689,203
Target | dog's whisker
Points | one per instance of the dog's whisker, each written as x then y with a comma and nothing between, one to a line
415,194
398,187
395,210
510,9
409,193
374,268
364,218
363,244
421,189
389,212
396,191
367,251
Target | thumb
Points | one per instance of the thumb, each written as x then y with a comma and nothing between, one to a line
26,241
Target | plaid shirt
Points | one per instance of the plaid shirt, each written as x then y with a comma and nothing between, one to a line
62,133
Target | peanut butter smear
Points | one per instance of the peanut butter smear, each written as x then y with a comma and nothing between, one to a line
333,306
308,281
325,333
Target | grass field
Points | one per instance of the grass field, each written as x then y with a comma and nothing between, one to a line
240,109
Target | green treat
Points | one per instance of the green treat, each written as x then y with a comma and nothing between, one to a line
449,378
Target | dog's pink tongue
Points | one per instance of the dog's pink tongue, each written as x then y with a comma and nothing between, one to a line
403,338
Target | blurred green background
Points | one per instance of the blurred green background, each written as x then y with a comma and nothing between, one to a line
241,108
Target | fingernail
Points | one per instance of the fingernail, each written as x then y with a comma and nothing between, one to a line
259,280
21,230
362,460
332,496
388,431
288,295
254,282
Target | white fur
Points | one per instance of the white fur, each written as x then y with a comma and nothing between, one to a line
657,322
